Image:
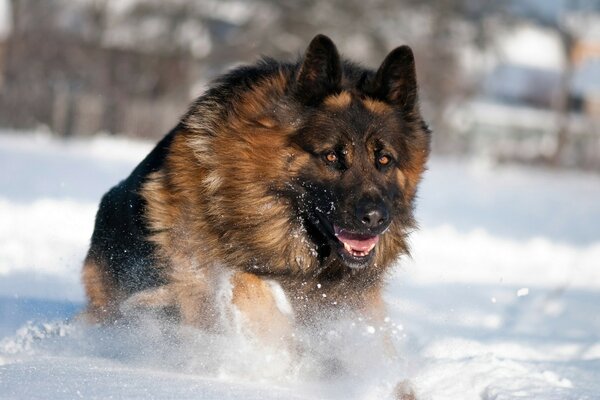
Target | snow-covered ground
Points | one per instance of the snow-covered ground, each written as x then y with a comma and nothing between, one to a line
500,300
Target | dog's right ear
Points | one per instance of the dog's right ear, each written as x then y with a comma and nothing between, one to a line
321,71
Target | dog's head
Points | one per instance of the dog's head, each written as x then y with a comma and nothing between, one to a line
364,146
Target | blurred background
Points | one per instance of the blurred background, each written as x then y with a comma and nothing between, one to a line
500,298
509,81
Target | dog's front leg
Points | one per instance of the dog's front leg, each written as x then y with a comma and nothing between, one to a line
375,311
263,311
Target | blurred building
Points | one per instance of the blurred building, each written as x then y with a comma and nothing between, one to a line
495,78
58,71
586,58
519,111
5,29
83,66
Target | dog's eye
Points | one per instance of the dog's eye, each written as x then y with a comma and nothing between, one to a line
331,157
384,160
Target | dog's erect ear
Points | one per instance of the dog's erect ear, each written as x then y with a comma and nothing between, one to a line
396,79
321,70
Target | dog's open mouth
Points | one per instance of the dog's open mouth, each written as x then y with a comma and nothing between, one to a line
356,245
355,248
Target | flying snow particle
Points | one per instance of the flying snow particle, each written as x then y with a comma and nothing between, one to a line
522,292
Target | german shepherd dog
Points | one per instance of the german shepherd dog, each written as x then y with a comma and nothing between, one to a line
291,185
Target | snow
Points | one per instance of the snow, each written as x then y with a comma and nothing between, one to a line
500,299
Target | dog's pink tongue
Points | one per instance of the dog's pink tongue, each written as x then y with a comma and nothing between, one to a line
356,242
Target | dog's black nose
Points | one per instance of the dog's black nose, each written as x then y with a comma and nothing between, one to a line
373,216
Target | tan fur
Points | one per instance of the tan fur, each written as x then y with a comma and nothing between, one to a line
414,173
194,291
401,178
341,100
103,296
376,107
254,299
186,217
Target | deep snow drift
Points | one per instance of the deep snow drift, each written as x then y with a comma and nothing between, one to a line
500,300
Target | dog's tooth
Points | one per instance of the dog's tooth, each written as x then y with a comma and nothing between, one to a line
348,247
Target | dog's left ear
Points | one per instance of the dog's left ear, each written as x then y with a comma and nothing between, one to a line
321,70
396,79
